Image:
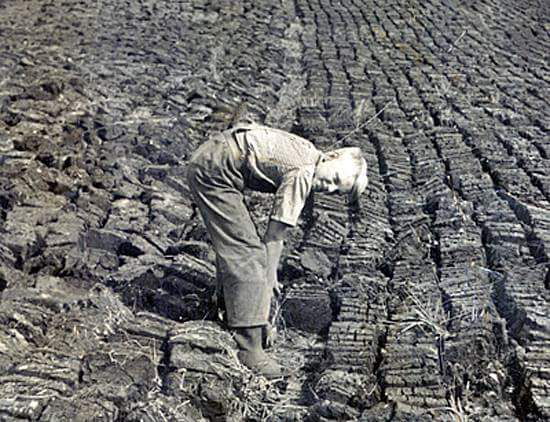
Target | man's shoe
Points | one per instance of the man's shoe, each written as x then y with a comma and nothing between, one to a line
252,355
261,364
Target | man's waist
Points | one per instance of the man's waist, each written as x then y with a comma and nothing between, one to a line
254,178
236,151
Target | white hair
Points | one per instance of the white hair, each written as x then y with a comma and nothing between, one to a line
361,180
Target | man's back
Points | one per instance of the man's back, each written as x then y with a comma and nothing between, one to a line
272,153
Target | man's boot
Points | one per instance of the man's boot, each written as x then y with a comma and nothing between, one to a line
252,355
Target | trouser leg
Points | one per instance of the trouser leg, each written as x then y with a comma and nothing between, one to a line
240,252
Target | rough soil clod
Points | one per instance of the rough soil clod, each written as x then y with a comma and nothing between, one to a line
430,302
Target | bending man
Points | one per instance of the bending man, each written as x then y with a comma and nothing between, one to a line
267,160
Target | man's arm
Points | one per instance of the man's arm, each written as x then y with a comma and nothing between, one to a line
274,239
287,205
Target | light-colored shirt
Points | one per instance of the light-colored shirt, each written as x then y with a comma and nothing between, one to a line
278,162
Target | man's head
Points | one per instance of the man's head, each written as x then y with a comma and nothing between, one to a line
342,171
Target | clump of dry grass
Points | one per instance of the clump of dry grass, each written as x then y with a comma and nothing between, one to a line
427,315
456,408
236,390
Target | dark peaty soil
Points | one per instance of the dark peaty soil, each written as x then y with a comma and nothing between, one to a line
430,302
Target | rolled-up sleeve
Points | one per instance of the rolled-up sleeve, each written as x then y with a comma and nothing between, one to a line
291,195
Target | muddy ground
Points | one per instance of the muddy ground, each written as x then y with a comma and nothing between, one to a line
431,302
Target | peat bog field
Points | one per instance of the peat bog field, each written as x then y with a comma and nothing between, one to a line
429,302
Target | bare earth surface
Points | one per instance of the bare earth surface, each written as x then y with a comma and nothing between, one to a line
429,303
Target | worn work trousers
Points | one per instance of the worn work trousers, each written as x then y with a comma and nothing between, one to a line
217,184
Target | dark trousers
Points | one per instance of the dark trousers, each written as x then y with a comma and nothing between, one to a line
216,181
